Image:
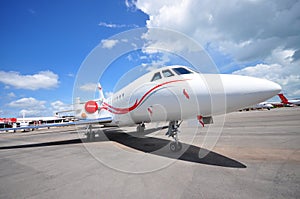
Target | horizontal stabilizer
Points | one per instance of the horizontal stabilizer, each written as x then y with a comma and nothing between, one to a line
103,120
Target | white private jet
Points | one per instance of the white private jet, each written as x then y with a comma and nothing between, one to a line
172,93
175,93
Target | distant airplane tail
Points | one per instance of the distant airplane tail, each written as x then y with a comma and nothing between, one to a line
284,100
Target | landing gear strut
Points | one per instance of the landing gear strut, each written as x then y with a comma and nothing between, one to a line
90,135
140,128
173,132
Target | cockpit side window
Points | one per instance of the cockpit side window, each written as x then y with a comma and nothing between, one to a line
167,73
156,76
181,71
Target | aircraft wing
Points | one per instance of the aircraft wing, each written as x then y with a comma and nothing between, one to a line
104,120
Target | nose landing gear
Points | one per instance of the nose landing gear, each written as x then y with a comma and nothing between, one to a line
173,131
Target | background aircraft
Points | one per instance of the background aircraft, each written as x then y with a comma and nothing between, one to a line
284,100
271,104
262,105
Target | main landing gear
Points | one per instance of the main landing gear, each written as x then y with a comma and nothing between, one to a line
90,134
140,128
173,132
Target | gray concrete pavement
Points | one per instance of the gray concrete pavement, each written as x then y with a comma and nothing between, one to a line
255,156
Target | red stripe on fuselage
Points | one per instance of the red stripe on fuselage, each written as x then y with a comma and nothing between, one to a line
116,110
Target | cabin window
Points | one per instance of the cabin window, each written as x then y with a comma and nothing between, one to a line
156,77
181,71
167,73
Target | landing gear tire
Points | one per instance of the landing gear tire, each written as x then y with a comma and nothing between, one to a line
179,146
174,147
88,137
173,132
93,137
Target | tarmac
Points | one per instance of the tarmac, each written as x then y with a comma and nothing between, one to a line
253,154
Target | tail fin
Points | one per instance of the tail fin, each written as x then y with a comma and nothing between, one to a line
101,95
283,98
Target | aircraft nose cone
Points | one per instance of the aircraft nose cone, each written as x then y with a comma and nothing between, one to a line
265,86
243,91
250,85
276,87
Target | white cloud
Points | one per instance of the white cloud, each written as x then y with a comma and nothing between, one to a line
29,102
70,75
274,72
245,31
33,107
284,72
41,80
108,94
31,112
113,25
11,95
60,106
129,3
88,87
156,62
108,43
129,57
30,106
32,11
164,40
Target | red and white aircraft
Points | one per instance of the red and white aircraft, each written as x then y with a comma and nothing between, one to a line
173,94
285,101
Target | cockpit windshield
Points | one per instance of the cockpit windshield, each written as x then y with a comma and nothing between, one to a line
181,71
156,76
167,73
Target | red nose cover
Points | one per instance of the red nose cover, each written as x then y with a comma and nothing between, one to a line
91,106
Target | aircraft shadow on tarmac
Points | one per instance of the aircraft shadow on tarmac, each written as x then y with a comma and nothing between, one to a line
148,145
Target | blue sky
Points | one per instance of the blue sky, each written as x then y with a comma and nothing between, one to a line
43,43
54,36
